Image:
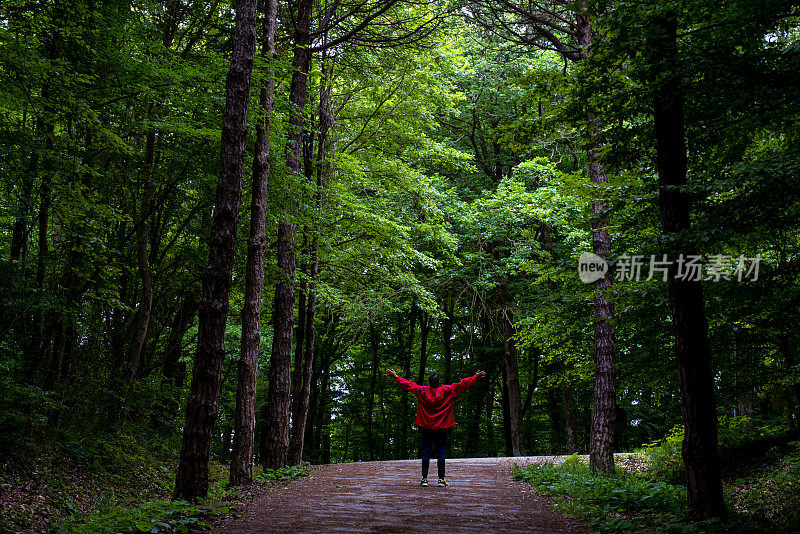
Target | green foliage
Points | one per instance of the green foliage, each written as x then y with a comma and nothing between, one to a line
459,168
624,502
152,516
664,457
285,474
664,460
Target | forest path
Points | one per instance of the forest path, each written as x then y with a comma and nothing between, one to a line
386,497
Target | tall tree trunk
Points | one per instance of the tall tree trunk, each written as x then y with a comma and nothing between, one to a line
490,402
570,423
424,330
373,344
172,368
405,355
299,344
277,429
143,236
300,417
506,412
38,346
241,469
601,441
324,171
325,428
555,412
201,409
277,425
786,349
700,453
22,221
447,335
511,373
319,372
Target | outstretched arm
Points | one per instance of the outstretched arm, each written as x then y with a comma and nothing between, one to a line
400,381
458,387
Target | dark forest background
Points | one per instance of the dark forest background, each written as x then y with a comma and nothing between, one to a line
445,167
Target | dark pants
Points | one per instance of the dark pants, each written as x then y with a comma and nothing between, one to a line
429,437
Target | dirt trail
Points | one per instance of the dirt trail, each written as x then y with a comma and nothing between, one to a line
386,497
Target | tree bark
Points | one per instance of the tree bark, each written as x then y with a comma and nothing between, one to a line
241,469
300,417
277,437
405,355
555,412
700,452
570,423
143,236
277,424
424,329
373,343
173,369
511,374
201,410
601,445
447,338
324,170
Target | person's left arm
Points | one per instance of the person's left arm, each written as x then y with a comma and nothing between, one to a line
402,382
468,382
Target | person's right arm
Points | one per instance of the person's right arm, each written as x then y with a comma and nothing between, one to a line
402,382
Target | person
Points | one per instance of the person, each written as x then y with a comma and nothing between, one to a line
435,415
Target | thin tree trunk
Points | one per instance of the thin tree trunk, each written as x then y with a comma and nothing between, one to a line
241,469
601,446
473,435
22,221
201,410
303,400
313,429
490,402
570,423
788,363
447,335
299,344
143,236
277,425
224,455
173,369
506,412
406,364
373,343
424,330
325,428
511,374
324,170
280,363
38,346
700,452
556,413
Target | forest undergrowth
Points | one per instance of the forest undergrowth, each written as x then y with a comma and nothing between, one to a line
761,481
115,484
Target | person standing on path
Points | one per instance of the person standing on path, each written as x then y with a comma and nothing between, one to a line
435,415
